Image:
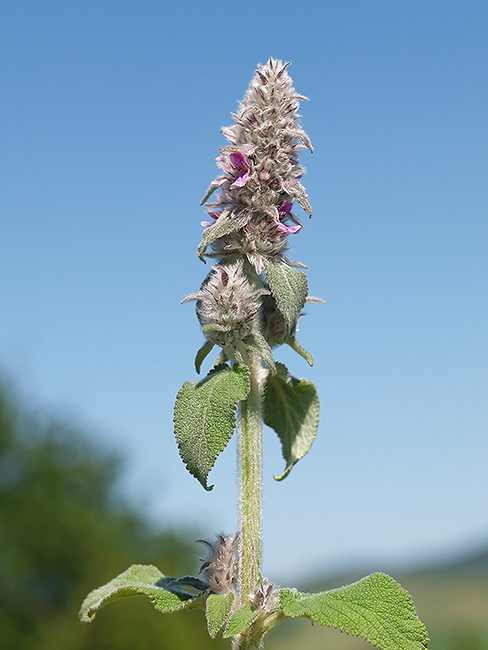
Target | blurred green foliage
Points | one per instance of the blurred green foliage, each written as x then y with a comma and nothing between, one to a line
63,532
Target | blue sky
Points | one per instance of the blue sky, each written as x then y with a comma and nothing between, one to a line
110,119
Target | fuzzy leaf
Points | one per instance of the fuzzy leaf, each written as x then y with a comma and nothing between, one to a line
262,346
223,226
291,408
376,608
188,581
139,580
202,354
217,610
296,190
299,349
210,190
205,417
240,620
289,288
302,198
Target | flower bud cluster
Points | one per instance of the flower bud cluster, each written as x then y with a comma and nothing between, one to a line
260,179
229,308
220,566
251,217
266,596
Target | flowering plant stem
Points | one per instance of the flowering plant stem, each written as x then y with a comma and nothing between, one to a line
250,463
248,305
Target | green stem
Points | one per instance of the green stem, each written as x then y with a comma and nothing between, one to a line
250,460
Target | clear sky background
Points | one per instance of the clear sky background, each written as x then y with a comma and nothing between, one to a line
109,117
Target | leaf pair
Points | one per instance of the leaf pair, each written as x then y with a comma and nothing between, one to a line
205,416
376,608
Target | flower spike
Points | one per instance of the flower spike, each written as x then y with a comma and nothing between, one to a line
261,175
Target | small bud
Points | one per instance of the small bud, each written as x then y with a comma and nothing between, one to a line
266,596
220,566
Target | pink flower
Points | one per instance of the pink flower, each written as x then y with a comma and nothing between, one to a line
215,215
283,210
239,161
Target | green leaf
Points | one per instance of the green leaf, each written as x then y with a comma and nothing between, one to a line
223,226
291,408
205,417
240,620
289,288
139,580
188,581
217,610
299,349
262,346
376,608
202,354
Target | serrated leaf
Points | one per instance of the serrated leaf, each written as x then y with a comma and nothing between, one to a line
202,354
240,620
291,408
299,349
376,608
223,226
205,417
217,610
188,581
289,288
144,580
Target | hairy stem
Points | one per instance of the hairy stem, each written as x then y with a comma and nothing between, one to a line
250,461
240,642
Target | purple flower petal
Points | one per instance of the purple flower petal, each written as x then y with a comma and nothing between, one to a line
241,180
285,207
293,229
289,229
239,160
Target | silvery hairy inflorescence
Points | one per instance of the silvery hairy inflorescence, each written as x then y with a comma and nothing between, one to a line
251,220
250,303
261,175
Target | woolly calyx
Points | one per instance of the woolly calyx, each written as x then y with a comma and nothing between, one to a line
219,568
